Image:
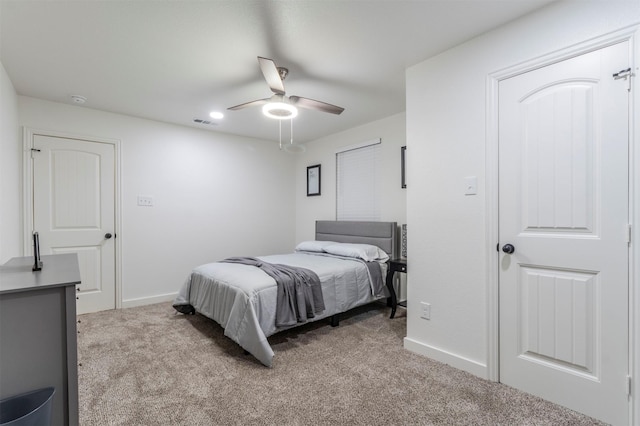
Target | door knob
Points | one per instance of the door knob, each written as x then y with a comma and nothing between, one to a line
508,248
107,236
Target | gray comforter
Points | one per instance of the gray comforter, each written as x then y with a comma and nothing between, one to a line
242,298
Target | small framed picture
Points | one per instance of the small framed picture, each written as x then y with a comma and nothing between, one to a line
313,180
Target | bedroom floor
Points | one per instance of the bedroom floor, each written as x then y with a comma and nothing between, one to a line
150,366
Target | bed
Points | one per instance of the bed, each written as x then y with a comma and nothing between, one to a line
245,300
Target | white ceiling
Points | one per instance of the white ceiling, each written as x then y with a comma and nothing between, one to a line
174,61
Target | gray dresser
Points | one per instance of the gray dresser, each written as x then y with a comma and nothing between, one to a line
38,337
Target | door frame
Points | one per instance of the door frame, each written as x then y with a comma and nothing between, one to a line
630,34
28,135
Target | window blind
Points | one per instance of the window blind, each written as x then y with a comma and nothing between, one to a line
358,183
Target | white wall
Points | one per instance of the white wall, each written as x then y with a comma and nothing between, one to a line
446,116
215,195
10,172
392,132
323,151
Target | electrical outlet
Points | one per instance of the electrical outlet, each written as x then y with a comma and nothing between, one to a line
145,200
425,310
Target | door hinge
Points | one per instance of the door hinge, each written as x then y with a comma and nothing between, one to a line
33,151
626,74
629,385
629,233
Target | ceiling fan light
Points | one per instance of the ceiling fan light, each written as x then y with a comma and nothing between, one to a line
280,110
294,148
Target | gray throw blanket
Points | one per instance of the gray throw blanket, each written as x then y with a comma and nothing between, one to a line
299,291
375,276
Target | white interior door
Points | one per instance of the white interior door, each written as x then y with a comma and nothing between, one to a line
74,211
563,177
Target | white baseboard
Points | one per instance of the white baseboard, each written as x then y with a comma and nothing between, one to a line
445,357
132,303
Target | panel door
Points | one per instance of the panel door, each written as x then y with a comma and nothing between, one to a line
74,211
563,156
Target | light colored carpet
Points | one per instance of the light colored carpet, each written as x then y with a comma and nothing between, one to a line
150,366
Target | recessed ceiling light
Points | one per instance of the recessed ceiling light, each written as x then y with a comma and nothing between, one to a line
77,99
216,115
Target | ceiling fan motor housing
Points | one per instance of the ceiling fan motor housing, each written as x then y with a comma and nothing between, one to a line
283,72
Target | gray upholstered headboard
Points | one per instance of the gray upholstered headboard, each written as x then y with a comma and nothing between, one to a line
381,234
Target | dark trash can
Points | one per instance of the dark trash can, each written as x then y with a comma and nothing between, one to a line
27,409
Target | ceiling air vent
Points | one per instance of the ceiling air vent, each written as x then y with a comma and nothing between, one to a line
201,121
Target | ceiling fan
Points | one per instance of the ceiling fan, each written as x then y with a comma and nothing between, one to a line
280,106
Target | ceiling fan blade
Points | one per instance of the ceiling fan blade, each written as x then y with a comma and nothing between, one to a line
249,104
313,104
271,74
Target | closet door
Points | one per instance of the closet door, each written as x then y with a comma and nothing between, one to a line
563,153
74,211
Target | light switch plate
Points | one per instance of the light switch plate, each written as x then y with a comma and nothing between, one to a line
471,185
145,200
426,310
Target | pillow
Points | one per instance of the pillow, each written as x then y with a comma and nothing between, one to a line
315,246
366,252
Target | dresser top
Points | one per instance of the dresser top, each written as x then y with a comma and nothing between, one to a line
57,270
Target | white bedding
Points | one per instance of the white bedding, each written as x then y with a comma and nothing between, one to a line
242,298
